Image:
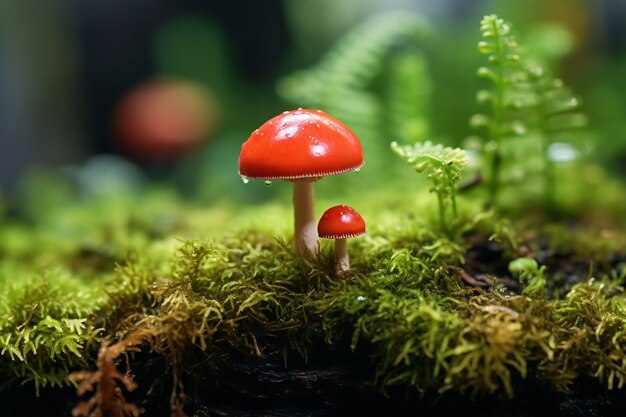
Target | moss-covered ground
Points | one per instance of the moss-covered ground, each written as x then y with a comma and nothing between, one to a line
206,286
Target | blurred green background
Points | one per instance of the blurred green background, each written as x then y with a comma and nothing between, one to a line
87,87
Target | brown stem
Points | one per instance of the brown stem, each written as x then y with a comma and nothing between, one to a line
304,218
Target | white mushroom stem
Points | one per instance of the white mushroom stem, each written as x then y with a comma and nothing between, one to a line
341,253
304,217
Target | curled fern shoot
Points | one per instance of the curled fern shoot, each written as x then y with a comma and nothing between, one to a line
443,166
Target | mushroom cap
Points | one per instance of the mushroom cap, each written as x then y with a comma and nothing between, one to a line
164,118
300,144
340,222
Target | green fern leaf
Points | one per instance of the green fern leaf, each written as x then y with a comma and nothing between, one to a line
435,160
408,96
374,79
509,93
442,166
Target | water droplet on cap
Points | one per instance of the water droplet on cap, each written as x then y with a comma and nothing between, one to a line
268,183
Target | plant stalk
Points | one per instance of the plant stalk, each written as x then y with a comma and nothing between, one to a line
341,253
305,224
442,212
496,125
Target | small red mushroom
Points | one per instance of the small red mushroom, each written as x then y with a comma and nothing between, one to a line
340,223
162,119
301,146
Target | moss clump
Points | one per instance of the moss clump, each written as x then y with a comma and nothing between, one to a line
45,329
424,326
473,307
408,303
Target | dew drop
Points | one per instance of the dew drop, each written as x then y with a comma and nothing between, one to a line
357,170
360,298
245,180
562,152
268,183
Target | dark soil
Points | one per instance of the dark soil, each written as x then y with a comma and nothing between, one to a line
486,260
333,383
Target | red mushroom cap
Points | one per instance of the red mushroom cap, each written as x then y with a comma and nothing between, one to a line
300,144
161,119
340,222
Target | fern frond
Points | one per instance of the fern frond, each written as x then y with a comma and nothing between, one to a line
508,94
442,165
355,60
557,109
436,159
502,51
408,96
360,79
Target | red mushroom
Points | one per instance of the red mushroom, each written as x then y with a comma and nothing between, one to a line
162,119
340,223
301,146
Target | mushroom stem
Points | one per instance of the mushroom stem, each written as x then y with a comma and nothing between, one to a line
341,253
304,217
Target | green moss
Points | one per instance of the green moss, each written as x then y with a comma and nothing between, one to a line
45,328
246,291
427,307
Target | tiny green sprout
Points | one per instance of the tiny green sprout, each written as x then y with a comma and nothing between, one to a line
443,166
530,274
